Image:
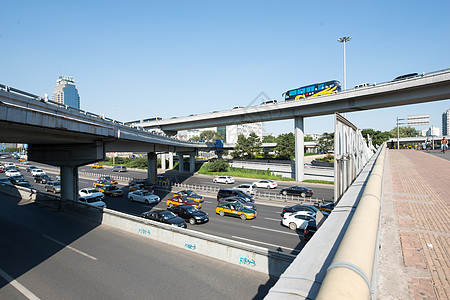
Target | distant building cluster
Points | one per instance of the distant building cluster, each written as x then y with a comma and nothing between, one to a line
446,122
65,92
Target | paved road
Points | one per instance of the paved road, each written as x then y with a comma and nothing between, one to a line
54,255
265,231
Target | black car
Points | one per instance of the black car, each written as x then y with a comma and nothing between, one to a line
29,168
190,213
406,76
309,230
44,178
243,201
16,178
24,184
164,216
299,207
297,190
226,193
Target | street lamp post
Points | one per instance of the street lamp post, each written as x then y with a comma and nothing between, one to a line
344,40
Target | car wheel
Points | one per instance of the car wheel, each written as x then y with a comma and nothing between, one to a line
146,201
54,191
131,199
303,194
243,217
292,226
192,221
284,193
221,213
170,205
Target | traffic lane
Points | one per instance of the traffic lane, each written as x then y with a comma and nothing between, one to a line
116,264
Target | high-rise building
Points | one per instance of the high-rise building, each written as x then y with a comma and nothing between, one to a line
66,92
446,122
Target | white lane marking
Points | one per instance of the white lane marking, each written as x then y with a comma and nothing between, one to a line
70,247
26,292
277,246
272,219
290,233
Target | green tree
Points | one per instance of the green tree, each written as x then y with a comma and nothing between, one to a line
269,139
247,148
378,137
308,138
285,148
404,131
218,166
210,136
195,138
326,142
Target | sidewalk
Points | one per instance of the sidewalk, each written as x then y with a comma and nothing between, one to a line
414,258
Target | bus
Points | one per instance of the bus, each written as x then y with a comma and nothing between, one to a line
313,90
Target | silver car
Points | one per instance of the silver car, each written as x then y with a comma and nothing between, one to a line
247,188
53,186
143,196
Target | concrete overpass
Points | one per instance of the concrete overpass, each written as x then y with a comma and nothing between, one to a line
62,136
428,87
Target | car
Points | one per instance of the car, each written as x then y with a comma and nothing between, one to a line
190,214
12,172
297,220
35,172
53,186
91,192
111,190
42,178
9,164
405,76
24,184
247,188
326,207
2,169
165,216
92,201
274,101
267,184
143,196
298,191
362,85
29,168
97,166
225,193
5,181
299,207
100,183
179,200
108,178
119,169
224,179
242,201
309,230
190,195
235,210
161,180
16,178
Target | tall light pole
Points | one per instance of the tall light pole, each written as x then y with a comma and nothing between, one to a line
344,40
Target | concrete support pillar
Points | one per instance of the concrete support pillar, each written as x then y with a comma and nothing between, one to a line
69,183
180,162
299,148
192,162
152,167
170,160
163,161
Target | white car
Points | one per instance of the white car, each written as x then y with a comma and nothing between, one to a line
267,184
12,172
10,164
92,201
298,220
143,196
223,179
247,188
35,172
91,192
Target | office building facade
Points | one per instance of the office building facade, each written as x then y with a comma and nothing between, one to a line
66,92
446,122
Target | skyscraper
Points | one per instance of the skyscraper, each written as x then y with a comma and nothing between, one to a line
446,122
66,92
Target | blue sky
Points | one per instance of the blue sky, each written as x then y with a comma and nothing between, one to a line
141,59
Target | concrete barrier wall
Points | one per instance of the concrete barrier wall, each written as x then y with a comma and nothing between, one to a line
19,192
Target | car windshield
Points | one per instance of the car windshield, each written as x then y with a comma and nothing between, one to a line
191,209
146,194
190,193
167,215
56,183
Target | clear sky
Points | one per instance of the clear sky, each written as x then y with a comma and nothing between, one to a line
141,59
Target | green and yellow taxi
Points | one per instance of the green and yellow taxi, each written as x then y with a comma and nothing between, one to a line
190,195
178,200
111,190
235,210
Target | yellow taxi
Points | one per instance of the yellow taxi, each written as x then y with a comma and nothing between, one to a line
235,210
178,200
97,166
108,178
190,195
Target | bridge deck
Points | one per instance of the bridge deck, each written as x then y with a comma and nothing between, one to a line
415,236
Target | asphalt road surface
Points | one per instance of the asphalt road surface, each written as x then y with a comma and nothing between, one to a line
46,254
